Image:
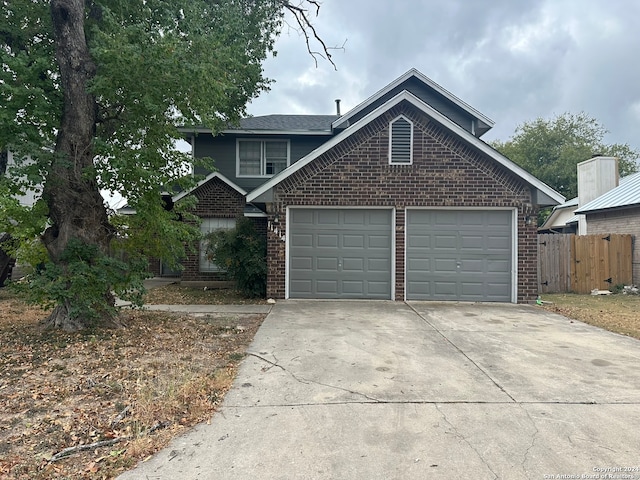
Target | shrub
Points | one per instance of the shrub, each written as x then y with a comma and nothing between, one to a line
242,252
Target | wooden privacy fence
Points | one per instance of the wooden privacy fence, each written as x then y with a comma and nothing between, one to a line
582,263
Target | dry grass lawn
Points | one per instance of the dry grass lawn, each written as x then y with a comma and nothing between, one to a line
126,391
617,313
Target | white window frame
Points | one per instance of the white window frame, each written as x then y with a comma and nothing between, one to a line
263,159
391,159
209,225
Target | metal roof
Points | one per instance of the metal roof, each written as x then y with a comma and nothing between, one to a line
624,195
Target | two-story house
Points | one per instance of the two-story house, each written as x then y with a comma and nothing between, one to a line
398,198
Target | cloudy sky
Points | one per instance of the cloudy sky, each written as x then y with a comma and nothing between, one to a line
513,60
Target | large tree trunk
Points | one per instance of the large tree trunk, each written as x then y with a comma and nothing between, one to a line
76,208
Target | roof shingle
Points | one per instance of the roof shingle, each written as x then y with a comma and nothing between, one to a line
289,123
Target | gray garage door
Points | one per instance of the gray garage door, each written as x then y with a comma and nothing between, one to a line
340,253
461,255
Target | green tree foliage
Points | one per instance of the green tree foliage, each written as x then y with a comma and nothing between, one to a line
242,252
551,149
92,96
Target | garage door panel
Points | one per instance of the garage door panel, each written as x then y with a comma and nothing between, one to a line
327,240
326,218
471,288
470,219
444,217
355,217
353,241
459,255
302,240
351,254
419,241
379,241
353,264
447,241
421,264
324,263
302,217
353,287
326,287
444,265
472,266
302,286
499,243
379,218
499,266
378,265
497,219
473,241
302,263
419,287
444,288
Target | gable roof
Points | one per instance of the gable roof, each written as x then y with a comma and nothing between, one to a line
209,177
627,194
551,197
484,123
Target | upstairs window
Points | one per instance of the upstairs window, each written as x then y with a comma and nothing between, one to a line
401,141
262,158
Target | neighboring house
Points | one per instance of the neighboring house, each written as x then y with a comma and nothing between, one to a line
617,211
396,199
562,218
596,176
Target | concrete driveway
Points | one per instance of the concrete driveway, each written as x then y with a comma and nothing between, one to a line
386,390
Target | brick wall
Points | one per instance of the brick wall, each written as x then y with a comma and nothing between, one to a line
620,221
216,199
445,172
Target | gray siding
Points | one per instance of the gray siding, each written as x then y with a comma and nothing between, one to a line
223,151
427,95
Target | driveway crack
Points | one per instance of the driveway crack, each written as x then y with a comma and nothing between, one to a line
458,434
534,436
446,339
306,381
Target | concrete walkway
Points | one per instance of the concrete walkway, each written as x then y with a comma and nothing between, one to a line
387,390
155,282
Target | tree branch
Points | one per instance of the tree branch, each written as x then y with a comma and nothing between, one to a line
81,448
301,14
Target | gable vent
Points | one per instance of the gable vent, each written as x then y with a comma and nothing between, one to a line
401,141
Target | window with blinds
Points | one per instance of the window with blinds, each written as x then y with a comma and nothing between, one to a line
262,158
209,225
401,141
